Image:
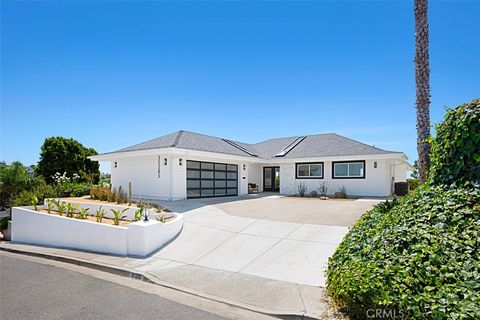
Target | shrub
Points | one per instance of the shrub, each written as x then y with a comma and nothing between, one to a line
323,189
100,213
71,209
413,184
118,215
82,213
455,155
73,189
301,189
420,256
342,192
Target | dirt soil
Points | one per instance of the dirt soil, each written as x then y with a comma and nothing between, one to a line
122,223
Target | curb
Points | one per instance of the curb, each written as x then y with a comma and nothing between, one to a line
151,279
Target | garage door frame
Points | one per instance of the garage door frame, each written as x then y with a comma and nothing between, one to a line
211,179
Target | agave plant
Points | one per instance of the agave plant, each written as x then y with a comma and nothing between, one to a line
82,213
50,203
34,202
117,215
138,214
71,209
162,218
100,213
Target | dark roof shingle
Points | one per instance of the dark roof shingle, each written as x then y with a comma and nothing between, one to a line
319,145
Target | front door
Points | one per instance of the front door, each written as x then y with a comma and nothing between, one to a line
271,179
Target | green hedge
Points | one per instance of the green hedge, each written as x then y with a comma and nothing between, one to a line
421,257
455,155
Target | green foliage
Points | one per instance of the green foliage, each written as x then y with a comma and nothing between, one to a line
100,213
117,215
455,155
413,184
420,256
59,155
71,209
139,212
61,207
72,189
83,213
24,198
50,203
14,179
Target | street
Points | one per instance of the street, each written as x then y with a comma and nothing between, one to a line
32,290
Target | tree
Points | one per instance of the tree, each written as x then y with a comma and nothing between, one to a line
59,154
422,78
14,179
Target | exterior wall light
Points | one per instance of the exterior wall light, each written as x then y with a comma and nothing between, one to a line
244,167
165,162
375,164
180,161
115,164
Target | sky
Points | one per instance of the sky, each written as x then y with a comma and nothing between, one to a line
112,74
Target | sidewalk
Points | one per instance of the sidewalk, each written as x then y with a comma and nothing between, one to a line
258,294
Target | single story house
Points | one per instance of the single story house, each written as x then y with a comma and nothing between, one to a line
190,165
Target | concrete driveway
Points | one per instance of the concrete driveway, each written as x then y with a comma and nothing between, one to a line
273,237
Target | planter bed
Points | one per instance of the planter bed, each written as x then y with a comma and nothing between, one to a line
138,238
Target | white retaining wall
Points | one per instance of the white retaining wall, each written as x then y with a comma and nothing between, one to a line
137,239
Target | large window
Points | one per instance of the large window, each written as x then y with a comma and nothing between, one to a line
348,170
309,170
207,179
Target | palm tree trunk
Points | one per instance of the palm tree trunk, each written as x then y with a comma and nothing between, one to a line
422,78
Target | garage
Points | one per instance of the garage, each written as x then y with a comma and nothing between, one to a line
209,179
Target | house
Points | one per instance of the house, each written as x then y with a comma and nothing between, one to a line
190,165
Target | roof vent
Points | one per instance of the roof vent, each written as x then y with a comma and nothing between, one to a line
236,145
290,146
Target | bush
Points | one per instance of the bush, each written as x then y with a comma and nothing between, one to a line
455,155
301,189
413,183
420,256
73,189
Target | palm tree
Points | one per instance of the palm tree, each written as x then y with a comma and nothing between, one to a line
422,78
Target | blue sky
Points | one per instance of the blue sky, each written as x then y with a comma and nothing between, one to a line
112,74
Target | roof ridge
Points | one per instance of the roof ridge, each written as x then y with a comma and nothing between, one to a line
177,139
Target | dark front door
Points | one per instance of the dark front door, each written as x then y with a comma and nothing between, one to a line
271,179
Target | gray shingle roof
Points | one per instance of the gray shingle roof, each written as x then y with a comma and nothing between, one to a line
319,145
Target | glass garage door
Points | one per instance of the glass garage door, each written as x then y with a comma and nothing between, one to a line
208,179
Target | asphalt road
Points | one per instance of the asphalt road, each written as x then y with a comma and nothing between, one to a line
30,290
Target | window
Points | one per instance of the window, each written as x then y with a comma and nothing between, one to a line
309,170
348,170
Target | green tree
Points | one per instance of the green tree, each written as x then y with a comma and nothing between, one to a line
14,179
59,154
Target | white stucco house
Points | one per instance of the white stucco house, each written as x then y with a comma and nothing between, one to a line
185,165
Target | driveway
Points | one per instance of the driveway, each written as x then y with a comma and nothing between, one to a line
273,237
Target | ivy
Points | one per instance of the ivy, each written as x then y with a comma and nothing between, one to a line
455,154
420,254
